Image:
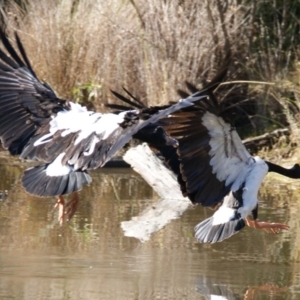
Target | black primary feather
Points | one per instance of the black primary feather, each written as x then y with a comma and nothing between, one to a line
157,137
26,103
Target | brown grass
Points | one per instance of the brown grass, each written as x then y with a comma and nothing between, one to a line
149,48
85,48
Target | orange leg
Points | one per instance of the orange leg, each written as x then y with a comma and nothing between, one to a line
71,206
60,204
266,226
66,210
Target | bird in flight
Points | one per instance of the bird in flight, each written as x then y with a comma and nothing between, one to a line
202,147
64,138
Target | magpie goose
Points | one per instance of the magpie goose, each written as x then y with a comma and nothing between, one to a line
63,137
219,171
213,166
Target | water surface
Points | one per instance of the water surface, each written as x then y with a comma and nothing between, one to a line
90,258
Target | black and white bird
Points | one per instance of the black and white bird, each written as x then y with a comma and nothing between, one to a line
219,171
214,168
64,138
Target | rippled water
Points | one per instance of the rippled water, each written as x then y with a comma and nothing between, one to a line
90,258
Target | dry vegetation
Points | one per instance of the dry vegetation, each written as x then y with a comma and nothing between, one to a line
84,48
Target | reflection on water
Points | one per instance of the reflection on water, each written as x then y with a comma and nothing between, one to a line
211,289
90,258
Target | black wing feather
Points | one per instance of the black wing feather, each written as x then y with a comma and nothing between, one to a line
25,102
156,136
23,54
37,182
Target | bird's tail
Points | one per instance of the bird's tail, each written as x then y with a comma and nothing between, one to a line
207,232
37,181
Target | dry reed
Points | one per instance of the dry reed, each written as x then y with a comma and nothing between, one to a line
85,48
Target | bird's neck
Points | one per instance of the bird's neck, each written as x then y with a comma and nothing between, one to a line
293,172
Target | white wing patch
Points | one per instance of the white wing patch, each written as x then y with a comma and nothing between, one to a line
230,160
56,168
223,215
74,120
104,125
96,127
85,122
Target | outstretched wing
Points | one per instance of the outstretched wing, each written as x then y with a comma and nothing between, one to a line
26,104
155,135
78,140
35,124
213,159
